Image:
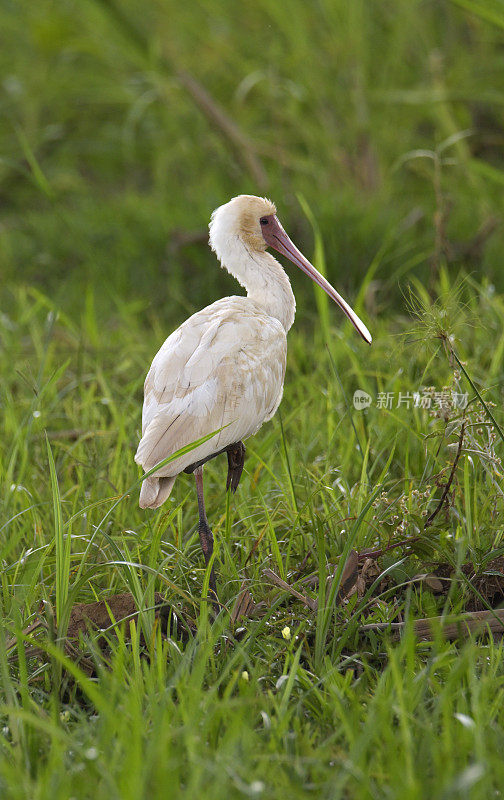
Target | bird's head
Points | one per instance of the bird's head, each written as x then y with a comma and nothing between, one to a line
241,218
252,223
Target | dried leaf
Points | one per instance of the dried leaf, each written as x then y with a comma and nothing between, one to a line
102,614
244,606
348,583
432,581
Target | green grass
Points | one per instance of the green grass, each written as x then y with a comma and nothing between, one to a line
330,709
378,130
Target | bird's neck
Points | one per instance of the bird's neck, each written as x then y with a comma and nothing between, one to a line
264,280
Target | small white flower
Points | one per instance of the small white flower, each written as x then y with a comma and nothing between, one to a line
245,675
286,633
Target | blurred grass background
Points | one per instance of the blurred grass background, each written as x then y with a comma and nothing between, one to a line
122,126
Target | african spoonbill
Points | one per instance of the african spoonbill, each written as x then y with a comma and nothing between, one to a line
223,368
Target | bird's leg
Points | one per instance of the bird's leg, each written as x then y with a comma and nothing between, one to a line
204,530
236,460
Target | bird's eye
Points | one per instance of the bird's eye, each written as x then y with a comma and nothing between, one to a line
264,221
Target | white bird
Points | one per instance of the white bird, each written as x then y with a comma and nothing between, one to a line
223,368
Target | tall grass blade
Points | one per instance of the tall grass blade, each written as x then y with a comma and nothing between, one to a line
323,630
63,548
319,263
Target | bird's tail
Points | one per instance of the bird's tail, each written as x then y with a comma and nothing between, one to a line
155,491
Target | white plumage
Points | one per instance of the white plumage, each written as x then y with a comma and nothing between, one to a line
224,367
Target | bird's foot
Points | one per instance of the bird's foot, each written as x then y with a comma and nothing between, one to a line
236,460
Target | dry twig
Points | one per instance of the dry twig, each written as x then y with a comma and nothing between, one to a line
474,623
277,581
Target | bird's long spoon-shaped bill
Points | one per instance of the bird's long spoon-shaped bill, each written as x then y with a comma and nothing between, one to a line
275,236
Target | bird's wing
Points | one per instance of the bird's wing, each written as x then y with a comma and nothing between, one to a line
223,368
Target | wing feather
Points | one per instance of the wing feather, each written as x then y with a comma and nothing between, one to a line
223,368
